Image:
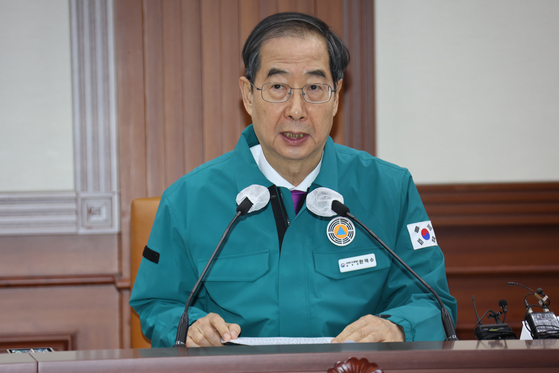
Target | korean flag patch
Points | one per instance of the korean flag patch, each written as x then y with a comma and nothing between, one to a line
422,235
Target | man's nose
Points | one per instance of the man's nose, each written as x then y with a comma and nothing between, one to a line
296,106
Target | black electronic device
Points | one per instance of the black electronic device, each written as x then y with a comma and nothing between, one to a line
541,325
499,330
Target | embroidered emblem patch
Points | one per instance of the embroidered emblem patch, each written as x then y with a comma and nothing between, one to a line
422,235
340,231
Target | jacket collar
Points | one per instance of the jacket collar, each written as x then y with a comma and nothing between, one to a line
328,176
246,170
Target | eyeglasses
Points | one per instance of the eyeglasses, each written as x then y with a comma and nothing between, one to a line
314,93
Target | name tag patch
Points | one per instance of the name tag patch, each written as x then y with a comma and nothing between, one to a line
357,262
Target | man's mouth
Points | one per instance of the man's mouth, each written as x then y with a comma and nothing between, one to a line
293,135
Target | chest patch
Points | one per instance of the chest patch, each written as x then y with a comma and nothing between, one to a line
340,231
357,262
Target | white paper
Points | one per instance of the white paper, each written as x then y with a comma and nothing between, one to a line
247,341
525,334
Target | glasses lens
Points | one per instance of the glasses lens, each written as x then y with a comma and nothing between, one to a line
317,93
275,92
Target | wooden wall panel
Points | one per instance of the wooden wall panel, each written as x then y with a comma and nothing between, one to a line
232,118
268,7
249,15
192,85
62,256
58,341
154,96
329,11
493,234
131,115
60,291
359,87
211,78
90,313
173,91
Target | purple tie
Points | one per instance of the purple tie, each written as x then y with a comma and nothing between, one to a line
298,199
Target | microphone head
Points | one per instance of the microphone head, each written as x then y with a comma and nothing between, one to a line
257,194
319,201
503,303
339,208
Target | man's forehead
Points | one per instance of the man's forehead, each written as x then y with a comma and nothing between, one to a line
278,56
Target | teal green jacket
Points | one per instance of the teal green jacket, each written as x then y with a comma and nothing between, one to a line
298,290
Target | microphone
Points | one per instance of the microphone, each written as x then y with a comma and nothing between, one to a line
257,195
503,304
500,330
318,201
252,198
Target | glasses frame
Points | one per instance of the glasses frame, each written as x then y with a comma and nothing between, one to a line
330,91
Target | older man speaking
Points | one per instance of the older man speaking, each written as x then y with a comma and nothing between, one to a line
284,271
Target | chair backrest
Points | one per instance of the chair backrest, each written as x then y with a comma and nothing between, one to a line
142,215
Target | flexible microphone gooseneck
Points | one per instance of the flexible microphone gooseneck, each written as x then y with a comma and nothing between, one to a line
250,199
323,197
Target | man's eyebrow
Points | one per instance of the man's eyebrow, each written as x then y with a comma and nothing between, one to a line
274,71
317,72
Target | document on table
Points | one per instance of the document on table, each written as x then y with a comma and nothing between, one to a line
248,341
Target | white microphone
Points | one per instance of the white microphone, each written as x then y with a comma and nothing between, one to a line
252,198
319,201
258,195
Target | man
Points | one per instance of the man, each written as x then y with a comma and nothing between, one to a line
280,273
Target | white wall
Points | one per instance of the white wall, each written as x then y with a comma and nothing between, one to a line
468,90
36,139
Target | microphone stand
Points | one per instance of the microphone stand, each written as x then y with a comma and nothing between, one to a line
448,325
182,330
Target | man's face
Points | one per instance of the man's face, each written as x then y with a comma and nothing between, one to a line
292,133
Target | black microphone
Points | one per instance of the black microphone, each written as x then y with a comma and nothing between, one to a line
500,330
318,201
503,304
250,199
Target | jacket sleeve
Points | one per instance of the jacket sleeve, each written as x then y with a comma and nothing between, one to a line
161,289
407,301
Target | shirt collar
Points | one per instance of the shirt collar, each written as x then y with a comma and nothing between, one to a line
274,177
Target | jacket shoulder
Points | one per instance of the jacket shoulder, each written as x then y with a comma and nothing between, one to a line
354,159
201,175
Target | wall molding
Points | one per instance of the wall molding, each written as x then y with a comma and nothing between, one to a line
62,280
64,341
500,204
499,271
93,207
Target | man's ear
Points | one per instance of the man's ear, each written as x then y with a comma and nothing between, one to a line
246,93
337,96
